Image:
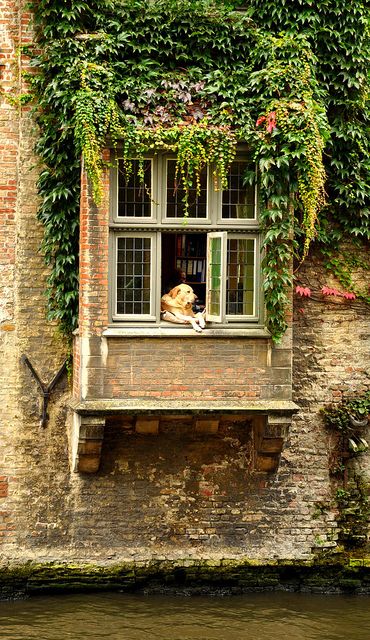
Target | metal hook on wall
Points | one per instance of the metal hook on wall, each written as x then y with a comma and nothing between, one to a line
45,389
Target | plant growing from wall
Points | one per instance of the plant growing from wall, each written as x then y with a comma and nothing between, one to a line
193,78
354,513
349,420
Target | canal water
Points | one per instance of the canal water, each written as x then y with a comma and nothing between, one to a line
114,616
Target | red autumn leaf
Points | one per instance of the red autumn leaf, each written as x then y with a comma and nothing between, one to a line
260,120
303,291
271,121
328,291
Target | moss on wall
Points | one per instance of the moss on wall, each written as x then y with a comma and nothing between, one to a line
339,575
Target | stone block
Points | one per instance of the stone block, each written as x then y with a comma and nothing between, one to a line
90,447
147,425
91,431
206,425
90,436
266,463
271,445
88,463
281,358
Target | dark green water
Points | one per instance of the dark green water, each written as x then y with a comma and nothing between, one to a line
275,616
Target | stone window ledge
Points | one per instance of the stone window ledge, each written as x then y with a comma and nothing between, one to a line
186,332
161,407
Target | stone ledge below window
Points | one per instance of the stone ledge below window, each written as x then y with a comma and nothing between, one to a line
270,421
131,406
186,332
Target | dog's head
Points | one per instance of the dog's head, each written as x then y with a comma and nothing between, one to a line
184,295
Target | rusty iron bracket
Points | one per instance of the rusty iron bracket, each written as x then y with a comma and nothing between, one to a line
45,389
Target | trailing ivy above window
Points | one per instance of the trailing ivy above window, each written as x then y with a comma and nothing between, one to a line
193,78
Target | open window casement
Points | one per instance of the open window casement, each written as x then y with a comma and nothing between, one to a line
216,276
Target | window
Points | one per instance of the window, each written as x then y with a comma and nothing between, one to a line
216,251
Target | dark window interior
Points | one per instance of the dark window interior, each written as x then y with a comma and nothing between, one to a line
184,260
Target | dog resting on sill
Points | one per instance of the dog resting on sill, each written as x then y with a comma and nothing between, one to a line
177,306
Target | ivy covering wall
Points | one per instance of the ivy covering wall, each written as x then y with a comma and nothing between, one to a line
196,77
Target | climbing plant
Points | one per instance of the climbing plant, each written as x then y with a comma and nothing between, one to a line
195,77
354,513
349,422
338,34
349,419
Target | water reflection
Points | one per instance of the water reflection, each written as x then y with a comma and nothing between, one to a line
277,616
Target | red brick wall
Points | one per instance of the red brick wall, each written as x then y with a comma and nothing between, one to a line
94,235
179,368
203,369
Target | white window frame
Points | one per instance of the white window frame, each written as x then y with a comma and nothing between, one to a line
135,221
153,314
158,224
222,236
190,221
257,310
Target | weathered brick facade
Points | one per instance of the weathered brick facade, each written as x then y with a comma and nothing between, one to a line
116,370
184,428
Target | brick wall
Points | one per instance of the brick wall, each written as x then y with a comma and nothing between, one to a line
177,368
9,139
23,326
331,363
195,368
179,493
94,233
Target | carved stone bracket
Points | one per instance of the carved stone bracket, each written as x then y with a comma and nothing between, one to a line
270,432
271,421
89,446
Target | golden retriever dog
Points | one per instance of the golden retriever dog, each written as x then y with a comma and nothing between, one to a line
177,306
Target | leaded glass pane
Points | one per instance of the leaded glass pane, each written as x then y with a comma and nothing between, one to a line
175,195
215,272
133,195
238,201
133,276
240,277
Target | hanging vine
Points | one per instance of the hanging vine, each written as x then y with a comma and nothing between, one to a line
193,78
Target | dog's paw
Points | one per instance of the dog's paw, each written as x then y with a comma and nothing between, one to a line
201,322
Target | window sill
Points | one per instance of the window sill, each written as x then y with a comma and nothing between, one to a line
185,332
130,406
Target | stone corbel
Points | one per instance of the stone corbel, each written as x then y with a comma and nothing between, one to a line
271,420
89,445
270,432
